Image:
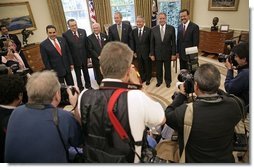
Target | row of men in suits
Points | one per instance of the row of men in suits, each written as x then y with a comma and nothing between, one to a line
71,51
157,44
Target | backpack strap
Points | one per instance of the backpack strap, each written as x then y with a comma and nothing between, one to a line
240,104
115,122
188,118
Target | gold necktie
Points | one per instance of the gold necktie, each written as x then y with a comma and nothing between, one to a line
119,29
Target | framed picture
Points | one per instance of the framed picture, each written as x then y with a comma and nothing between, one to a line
224,28
223,5
17,16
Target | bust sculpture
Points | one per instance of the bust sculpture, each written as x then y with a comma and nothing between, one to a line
215,22
25,34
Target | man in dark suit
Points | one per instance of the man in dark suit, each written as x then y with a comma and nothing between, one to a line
163,49
140,44
119,31
187,36
56,55
5,35
13,37
96,42
77,41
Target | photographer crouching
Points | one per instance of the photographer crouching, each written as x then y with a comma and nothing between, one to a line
212,130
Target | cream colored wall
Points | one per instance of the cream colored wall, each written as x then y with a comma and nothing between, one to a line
237,20
41,16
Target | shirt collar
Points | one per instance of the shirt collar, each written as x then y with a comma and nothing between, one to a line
186,24
142,28
111,79
7,107
97,35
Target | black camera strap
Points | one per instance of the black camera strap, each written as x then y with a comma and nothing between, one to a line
56,122
114,85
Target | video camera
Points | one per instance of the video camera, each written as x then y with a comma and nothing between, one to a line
64,95
231,57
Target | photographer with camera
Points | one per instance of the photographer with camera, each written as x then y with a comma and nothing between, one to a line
238,85
39,132
212,130
134,109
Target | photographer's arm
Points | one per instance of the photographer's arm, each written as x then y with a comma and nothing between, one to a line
134,76
228,65
74,101
178,100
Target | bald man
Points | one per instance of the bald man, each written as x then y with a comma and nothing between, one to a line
96,41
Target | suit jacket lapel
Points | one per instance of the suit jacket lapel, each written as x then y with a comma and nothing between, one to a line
60,43
80,34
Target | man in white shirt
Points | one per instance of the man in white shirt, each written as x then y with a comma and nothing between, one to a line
56,56
140,44
135,110
187,36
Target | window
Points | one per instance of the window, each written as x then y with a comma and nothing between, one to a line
126,7
172,9
77,9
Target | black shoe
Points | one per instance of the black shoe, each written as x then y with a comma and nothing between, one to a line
158,84
89,87
147,82
168,85
80,89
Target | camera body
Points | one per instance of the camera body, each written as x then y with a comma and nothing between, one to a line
224,57
231,57
188,80
64,95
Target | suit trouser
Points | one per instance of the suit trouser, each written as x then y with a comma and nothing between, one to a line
159,71
145,68
68,78
97,72
77,70
183,64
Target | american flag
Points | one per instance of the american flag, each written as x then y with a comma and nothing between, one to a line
92,11
154,13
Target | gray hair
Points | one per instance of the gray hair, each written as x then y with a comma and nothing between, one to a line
141,17
208,78
115,59
118,13
42,86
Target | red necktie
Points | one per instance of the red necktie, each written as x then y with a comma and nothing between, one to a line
58,48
